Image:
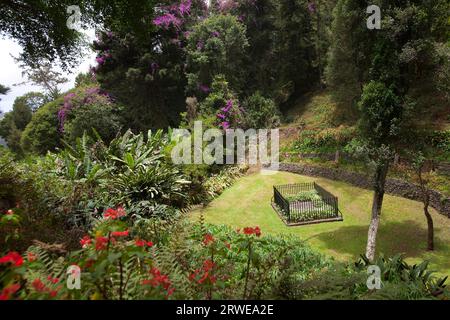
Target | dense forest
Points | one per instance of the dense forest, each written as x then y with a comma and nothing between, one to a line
87,178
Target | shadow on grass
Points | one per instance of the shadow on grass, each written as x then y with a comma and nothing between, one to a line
407,237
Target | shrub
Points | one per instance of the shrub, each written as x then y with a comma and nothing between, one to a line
260,112
197,262
216,46
399,281
328,140
88,109
41,134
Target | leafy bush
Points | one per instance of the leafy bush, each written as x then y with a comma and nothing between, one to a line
216,46
328,140
197,262
260,112
399,281
41,200
139,171
41,134
86,109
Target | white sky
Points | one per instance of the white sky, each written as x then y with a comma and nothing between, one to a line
11,74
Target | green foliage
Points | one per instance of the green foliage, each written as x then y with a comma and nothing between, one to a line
196,262
260,112
15,121
216,46
381,114
399,281
326,141
99,116
41,134
139,171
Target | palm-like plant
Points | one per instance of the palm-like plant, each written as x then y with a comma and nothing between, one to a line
139,171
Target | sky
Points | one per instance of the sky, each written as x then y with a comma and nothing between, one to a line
11,74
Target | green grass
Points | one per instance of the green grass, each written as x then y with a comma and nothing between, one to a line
402,230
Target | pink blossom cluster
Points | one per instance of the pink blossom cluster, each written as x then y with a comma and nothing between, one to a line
227,115
70,102
226,5
173,15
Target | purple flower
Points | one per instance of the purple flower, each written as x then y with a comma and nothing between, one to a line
312,7
166,20
200,45
204,88
225,125
226,5
91,91
221,116
228,106
215,34
69,96
100,60
154,67
185,7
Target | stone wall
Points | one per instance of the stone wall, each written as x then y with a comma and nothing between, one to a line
393,186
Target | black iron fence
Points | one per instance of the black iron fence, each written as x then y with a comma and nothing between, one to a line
305,203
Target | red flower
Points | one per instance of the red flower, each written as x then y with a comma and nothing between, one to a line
120,233
143,243
207,268
101,243
9,212
208,265
208,239
170,291
249,231
227,245
53,293
114,213
38,285
140,243
8,291
12,257
31,256
53,280
89,263
85,242
158,279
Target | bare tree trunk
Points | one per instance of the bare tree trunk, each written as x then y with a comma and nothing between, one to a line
380,181
426,204
430,239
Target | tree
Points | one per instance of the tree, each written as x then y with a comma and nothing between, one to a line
40,27
381,113
347,58
386,64
143,67
3,90
44,76
88,109
42,134
14,122
34,100
216,46
418,166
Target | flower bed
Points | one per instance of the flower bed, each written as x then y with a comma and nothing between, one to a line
305,203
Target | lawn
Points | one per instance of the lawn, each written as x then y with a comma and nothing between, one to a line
402,229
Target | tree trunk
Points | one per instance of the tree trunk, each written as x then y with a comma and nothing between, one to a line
380,180
426,204
430,239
